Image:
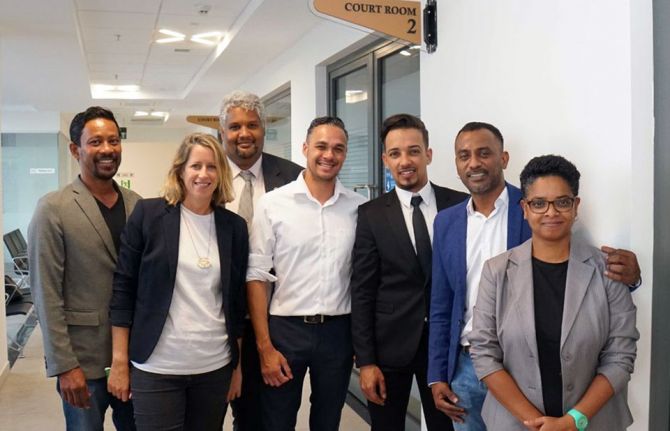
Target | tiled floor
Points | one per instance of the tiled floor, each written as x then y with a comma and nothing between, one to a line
29,402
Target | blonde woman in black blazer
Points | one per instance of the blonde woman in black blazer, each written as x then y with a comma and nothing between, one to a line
178,306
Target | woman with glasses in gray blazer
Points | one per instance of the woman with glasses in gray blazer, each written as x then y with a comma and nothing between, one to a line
554,339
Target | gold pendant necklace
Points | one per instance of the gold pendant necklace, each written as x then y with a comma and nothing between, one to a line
203,261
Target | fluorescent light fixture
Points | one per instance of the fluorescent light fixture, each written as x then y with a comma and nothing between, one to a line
158,114
209,38
141,114
171,33
405,53
175,36
107,91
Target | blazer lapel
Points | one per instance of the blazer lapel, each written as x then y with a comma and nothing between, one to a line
514,218
171,224
457,251
520,276
271,174
224,238
89,207
576,284
396,221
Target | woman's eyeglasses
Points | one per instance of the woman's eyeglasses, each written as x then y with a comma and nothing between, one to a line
541,206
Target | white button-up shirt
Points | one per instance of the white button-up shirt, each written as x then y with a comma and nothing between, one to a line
309,246
486,238
238,183
428,207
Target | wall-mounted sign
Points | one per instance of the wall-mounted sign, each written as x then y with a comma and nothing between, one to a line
397,18
211,121
42,171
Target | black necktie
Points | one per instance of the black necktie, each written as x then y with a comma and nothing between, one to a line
424,251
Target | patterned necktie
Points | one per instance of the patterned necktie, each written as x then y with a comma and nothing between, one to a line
424,250
246,207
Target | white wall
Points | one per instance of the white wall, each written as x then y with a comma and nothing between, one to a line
569,77
31,122
147,155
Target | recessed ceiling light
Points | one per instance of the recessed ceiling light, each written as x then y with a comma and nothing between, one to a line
171,33
209,38
175,36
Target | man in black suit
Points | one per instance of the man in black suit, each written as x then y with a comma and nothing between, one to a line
391,279
254,173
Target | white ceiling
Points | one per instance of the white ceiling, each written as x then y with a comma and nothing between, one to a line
53,50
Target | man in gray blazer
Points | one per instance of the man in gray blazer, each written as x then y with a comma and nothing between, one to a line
254,173
73,239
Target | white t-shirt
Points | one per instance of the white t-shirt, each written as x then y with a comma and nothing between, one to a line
194,338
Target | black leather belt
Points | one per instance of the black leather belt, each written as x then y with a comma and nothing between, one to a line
466,349
316,319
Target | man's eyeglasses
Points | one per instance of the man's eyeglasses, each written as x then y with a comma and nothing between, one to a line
541,206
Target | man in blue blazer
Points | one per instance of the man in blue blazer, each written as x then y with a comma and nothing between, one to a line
465,236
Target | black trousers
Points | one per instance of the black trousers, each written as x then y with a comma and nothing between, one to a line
326,349
246,409
180,402
391,416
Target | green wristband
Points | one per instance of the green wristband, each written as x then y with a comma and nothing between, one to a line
581,421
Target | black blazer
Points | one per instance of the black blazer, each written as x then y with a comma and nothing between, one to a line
278,172
388,288
147,266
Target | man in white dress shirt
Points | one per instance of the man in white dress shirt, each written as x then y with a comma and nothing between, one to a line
305,232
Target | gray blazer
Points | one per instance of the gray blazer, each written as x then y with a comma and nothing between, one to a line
72,261
598,334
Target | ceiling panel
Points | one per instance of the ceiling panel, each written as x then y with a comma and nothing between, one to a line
143,6
118,67
218,8
119,20
112,58
113,78
118,47
113,35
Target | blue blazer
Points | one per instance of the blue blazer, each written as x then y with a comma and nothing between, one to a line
449,288
147,267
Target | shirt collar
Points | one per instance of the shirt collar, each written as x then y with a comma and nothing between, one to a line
501,202
300,187
426,193
254,169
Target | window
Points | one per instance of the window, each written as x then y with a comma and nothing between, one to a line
364,89
278,122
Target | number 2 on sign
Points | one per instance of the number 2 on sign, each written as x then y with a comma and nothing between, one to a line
412,26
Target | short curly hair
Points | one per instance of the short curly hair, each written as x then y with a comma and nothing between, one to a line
244,100
548,166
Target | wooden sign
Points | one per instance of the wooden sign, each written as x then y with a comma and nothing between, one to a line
397,18
211,121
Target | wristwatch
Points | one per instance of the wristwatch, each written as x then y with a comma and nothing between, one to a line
580,420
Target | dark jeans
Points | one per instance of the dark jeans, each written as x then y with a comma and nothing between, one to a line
324,348
93,418
174,402
246,408
391,416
